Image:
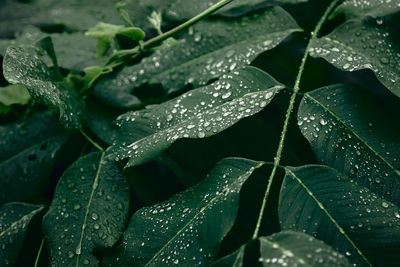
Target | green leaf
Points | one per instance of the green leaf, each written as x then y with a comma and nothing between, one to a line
186,9
14,221
22,65
332,207
371,8
352,131
28,153
208,50
235,259
14,94
188,228
105,33
200,113
355,46
288,248
88,211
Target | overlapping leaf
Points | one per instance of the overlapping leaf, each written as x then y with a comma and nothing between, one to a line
23,65
332,207
288,248
355,46
200,113
13,95
88,211
27,156
235,259
372,8
14,222
188,228
208,50
353,132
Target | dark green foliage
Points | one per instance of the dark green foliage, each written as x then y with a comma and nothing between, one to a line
199,133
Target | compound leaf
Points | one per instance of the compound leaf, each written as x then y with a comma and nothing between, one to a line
23,65
200,113
14,222
355,46
208,50
332,207
88,211
188,228
352,131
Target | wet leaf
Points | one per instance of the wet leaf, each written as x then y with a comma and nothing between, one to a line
208,50
332,207
372,8
14,222
288,248
23,65
352,131
28,156
200,113
355,46
235,259
13,94
188,228
88,211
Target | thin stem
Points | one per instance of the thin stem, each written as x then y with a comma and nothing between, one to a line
150,43
289,112
91,140
39,253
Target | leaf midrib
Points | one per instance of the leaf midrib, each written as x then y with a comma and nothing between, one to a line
209,204
355,134
94,187
322,207
300,260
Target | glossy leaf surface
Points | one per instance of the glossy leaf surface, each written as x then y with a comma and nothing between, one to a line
200,113
88,211
186,229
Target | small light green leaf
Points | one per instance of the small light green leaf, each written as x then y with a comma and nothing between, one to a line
355,46
372,8
14,221
155,19
105,33
208,50
288,248
28,153
188,228
14,94
88,211
235,259
332,207
200,113
22,65
352,131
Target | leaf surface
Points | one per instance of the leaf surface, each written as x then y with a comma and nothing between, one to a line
208,50
235,259
372,8
352,131
12,95
355,46
88,211
332,207
200,113
188,228
23,65
288,248
27,156
14,221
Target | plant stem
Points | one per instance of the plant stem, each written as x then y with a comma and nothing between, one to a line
39,253
91,141
150,43
289,112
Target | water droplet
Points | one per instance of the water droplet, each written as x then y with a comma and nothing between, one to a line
95,216
77,207
385,204
384,60
323,122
